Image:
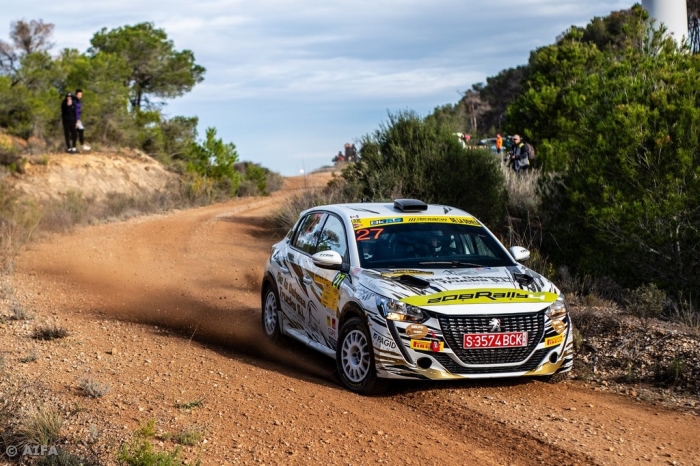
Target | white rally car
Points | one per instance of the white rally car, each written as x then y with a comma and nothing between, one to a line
406,290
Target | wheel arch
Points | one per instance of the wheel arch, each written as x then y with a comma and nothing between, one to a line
268,280
351,309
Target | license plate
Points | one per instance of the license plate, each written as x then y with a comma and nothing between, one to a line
495,340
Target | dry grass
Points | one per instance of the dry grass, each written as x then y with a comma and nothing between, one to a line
523,196
41,426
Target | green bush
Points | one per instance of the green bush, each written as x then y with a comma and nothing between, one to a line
420,158
625,203
646,302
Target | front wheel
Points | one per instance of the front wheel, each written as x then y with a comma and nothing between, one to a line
355,359
270,313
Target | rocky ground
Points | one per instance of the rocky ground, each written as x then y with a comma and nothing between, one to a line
163,321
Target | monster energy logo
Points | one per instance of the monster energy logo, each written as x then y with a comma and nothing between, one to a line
338,280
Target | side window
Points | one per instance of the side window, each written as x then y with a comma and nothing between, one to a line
307,236
333,237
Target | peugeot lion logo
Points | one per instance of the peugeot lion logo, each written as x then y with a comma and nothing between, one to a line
495,325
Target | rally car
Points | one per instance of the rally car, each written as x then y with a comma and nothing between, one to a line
406,290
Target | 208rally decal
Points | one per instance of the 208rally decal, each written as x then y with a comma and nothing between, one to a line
481,296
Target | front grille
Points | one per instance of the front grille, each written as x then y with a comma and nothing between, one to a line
451,366
454,328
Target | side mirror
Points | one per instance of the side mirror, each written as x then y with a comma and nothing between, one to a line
519,253
327,260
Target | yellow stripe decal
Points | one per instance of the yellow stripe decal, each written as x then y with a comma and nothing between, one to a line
358,223
481,296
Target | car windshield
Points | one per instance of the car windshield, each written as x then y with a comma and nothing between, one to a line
429,245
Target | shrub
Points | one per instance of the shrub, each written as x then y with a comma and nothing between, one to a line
414,157
19,312
285,218
188,437
646,303
30,357
190,404
140,452
50,332
671,373
94,389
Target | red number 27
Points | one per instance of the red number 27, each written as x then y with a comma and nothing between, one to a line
363,235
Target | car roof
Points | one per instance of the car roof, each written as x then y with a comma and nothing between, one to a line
387,209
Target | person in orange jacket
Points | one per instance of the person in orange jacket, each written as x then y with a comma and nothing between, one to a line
499,144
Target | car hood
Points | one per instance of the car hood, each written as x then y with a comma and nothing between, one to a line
464,290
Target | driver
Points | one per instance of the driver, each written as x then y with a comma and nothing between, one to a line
435,244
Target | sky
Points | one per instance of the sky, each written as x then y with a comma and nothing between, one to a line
291,81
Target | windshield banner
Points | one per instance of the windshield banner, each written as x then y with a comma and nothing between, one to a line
358,223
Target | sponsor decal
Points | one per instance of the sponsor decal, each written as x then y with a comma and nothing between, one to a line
338,279
553,341
398,273
384,342
427,345
481,296
371,222
289,295
417,331
455,279
330,295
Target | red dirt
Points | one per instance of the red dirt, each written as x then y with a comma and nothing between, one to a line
177,297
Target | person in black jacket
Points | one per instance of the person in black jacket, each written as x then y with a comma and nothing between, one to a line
70,121
520,156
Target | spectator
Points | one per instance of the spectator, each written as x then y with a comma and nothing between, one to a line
69,120
499,144
78,113
519,156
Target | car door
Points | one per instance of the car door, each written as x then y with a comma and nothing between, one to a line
293,291
325,291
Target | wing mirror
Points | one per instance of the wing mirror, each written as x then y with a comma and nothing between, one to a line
328,260
519,253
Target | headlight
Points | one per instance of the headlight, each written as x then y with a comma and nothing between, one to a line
557,311
396,310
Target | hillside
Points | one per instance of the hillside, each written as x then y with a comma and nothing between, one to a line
95,175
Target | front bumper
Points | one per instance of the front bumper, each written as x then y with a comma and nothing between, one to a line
439,354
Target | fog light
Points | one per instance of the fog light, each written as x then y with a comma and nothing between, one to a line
558,326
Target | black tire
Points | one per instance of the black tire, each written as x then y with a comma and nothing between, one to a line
355,359
270,312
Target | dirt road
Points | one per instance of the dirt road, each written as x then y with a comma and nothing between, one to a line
165,309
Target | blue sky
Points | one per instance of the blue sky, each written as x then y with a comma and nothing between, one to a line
290,81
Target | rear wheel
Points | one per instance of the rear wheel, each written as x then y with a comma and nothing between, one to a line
270,312
355,358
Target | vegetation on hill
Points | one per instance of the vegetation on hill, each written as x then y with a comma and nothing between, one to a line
127,75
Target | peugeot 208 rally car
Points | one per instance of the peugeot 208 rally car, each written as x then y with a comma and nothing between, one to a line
406,290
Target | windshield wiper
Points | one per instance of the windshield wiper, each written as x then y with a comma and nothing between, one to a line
451,263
